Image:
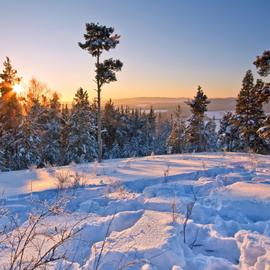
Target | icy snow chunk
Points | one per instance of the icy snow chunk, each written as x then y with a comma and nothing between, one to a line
249,191
201,262
148,267
176,267
255,250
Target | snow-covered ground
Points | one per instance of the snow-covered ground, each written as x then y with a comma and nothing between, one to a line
132,212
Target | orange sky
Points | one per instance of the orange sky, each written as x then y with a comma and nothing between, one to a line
168,48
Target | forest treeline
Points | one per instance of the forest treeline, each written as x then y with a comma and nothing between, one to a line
37,130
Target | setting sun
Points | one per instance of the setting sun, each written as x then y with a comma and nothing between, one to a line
17,88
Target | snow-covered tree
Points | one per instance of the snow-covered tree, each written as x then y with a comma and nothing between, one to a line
163,130
9,78
99,38
32,127
111,126
10,115
228,134
249,114
65,130
264,130
150,131
134,144
82,145
27,144
196,140
262,64
137,132
50,124
176,139
210,135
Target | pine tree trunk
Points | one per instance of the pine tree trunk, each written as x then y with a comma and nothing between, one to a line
99,127
99,116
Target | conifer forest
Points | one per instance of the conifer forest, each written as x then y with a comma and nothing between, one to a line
37,129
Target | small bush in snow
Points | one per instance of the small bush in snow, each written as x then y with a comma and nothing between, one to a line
68,180
166,173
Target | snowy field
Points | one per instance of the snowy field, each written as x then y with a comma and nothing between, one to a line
190,211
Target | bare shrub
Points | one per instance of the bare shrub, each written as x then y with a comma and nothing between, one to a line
34,245
174,210
69,180
78,180
194,242
189,209
166,173
63,179
32,167
50,167
98,169
113,186
253,161
116,190
152,156
204,165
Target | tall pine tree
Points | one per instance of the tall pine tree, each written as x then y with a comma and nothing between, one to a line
99,38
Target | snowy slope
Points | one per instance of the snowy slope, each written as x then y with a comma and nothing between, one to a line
134,211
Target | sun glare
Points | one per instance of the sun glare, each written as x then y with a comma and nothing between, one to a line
17,88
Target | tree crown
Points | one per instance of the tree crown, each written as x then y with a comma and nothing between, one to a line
262,63
99,38
9,77
106,71
81,98
199,103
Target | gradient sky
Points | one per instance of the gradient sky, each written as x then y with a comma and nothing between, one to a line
168,47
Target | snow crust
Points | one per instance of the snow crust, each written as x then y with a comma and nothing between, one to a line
137,207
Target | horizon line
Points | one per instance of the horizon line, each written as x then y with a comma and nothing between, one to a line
148,97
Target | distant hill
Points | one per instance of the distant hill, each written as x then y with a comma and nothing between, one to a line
166,104
148,101
169,104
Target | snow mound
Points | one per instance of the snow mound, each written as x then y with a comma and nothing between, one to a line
206,211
